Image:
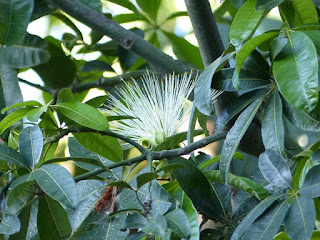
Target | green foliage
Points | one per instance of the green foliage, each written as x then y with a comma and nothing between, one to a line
109,192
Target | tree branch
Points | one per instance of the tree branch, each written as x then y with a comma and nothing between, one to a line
159,155
127,39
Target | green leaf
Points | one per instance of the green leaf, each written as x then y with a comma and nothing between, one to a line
22,104
176,15
173,141
126,17
30,51
275,169
65,95
272,125
24,217
157,226
83,114
19,187
311,186
60,70
126,4
42,8
309,121
11,156
246,50
120,184
150,7
235,135
299,86
314,35
145,177
202,91
185,50
13,117
52,220
9,224
242,183
267,5
57,182
31,144
305,11
236,106
178,223
169,167
254,214
11,91
199,189
135,221
277,45
97,101
34,114
267,225
244,23
15,16
299,222
89,192
94,4
105,146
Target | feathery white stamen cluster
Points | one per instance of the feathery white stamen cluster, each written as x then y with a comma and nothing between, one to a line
158,108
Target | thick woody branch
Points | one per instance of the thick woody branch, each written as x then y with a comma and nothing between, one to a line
127,39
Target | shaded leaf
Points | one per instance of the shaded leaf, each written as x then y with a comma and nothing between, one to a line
267,4
235,135
254,214
311,185
299,222
275,169
11,156
299,86
31,144
135,221
157,226
272,125
18,188
178,223
202,91
305,11
30,51
267,225
52,220
145,177
57,182
198,189
15,16
9,224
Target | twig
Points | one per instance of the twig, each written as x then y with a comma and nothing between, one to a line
45,89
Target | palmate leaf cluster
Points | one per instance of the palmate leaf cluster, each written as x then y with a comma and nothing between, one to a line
272,80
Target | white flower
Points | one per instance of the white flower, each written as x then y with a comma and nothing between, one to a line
158,108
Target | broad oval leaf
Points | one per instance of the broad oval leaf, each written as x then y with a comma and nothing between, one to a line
52,219
268,224
31,144
267,4
199,189
306,11
57,182
145,178
275,169
65,95
105,146
299,85
135,220
157,226
235,135
202,91
11,156
299,222
60,70
9,224
83,114
15,16
245,22
272,125
19,187
254,214
178,223
30,51
311,186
